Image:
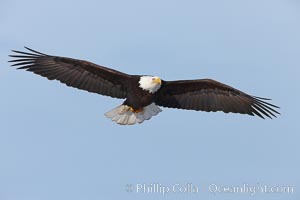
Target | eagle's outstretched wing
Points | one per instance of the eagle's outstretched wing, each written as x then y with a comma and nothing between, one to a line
209,95
75,73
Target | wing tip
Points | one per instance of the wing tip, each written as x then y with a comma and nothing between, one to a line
22,58
263,109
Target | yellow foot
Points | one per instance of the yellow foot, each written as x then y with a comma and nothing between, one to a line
135,111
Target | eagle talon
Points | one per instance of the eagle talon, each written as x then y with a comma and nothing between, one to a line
135,110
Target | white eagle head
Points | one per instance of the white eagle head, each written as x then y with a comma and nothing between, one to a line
150,83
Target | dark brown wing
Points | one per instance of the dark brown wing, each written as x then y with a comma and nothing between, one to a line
75,73
209,95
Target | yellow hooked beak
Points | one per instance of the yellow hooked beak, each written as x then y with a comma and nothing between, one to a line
156,80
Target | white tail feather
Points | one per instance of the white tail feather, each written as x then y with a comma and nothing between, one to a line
124,116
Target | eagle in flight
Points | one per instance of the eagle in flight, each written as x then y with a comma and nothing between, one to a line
143,94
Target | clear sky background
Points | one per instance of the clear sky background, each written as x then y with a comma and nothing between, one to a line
55,142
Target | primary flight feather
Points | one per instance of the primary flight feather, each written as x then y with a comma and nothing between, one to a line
143,93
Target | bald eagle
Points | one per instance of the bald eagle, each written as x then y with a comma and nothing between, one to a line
142,93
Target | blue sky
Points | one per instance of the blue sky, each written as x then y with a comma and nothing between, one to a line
55,142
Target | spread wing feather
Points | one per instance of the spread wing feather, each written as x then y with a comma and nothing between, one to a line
209,95
75,73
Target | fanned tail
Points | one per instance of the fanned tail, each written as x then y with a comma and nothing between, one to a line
124,116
